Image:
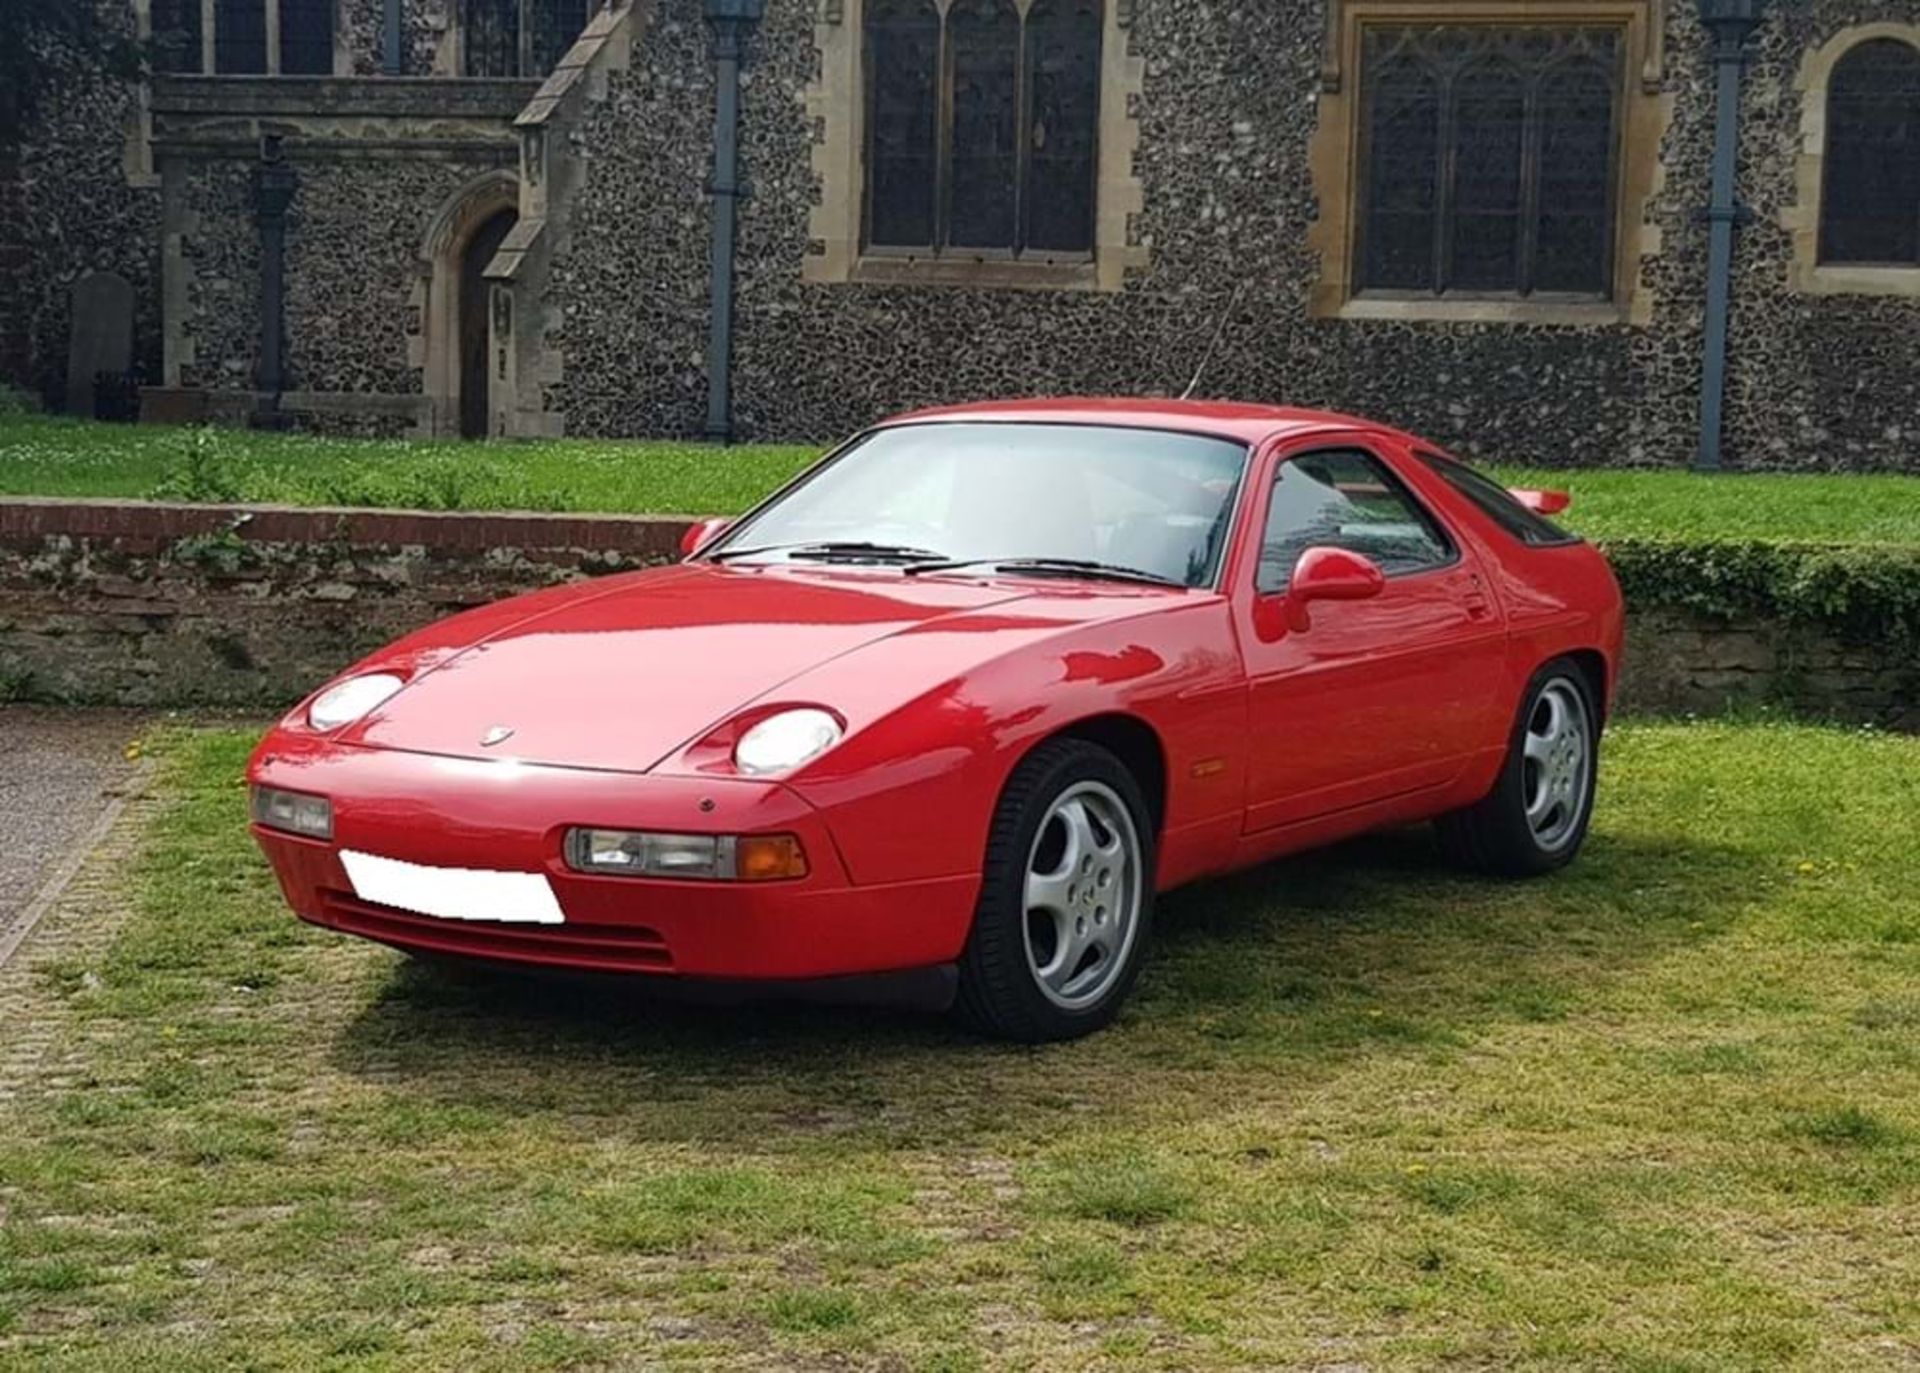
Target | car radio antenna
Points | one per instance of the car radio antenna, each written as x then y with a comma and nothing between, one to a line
1220,332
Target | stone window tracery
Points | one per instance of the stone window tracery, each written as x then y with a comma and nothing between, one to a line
976,142
526,38
983,125
1855,222
1870,209
1489,160
243,37
1488,157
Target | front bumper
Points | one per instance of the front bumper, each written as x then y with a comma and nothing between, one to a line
508,817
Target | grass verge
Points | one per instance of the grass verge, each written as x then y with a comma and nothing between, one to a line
1658,1112
59,457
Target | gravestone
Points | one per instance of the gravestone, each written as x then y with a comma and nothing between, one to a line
102,338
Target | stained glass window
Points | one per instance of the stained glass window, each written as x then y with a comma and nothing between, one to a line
903,117
491,33
982,126
306,37
1489,160
240,36
1871,209
521,37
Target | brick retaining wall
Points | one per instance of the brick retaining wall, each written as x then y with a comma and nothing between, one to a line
110,602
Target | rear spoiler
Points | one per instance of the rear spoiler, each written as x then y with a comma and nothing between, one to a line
1542,502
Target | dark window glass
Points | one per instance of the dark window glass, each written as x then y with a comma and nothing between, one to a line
1403,176
1489,159
176,35
1347,499
491,35
1871,212
983,38
557,26
903,113
982,125
306,37
1063,64
240,37
1498,503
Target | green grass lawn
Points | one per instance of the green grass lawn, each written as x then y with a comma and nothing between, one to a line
1661,1112
42,456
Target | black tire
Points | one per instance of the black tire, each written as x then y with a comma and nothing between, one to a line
1000,993
1496,836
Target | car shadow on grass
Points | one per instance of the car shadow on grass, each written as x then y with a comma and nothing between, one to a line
1292,969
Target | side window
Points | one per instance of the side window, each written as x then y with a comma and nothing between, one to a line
1498,503
1347,499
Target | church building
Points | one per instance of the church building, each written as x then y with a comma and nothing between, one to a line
1594,232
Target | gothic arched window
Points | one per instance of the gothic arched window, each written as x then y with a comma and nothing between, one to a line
1870,204
1488,160
983,124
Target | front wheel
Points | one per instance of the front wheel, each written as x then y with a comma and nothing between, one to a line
1066,901
1535,819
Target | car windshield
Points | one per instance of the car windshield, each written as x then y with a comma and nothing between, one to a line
1144,500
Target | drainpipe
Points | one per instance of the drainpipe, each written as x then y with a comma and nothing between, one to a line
274,184
732,20
1731,22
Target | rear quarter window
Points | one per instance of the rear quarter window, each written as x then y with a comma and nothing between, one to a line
1498,504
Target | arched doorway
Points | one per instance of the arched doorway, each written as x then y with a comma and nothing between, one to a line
452,334
475,332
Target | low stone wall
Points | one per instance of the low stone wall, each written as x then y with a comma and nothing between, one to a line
105,602
1682,661
154,604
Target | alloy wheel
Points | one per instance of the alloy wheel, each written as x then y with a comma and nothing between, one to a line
1558,760
1084,886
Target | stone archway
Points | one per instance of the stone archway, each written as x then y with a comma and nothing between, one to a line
454,330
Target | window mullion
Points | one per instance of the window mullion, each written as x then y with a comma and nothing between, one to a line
1532,151
1447,172
525,39
1022,133
209,37
943,143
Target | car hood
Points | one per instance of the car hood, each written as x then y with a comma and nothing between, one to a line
622,674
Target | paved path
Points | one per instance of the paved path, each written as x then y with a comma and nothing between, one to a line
61,773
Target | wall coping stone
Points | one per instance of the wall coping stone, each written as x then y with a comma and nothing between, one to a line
28,521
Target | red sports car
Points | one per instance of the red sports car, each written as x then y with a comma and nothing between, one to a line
958,702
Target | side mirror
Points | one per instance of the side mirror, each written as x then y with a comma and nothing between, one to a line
701,533
1542,502
1335,574
1322,574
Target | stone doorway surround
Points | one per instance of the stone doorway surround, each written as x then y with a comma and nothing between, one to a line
437,347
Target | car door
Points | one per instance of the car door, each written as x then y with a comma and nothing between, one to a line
1358,702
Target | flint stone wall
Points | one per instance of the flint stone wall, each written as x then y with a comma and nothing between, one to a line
103,602
1226,118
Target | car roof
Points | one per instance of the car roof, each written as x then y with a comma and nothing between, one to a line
1228,419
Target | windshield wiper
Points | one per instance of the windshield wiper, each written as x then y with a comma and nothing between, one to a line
850,551
1051,567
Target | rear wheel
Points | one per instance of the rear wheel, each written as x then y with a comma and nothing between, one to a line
1066,900
1535,819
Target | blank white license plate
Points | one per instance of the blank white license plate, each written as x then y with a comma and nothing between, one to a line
521,898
